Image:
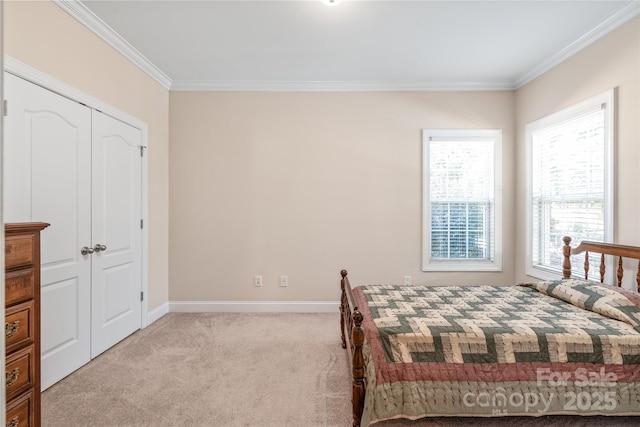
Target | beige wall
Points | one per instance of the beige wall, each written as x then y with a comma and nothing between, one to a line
611,62
304,184
41,35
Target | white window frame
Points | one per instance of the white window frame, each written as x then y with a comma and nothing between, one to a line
494,135
606,101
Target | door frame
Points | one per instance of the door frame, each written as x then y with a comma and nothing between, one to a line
3,406
26,72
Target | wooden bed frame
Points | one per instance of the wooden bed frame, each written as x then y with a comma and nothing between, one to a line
351,318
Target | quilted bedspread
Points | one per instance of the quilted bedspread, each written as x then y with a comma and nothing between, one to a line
561,347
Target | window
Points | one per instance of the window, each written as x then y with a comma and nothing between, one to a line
570,185
462,206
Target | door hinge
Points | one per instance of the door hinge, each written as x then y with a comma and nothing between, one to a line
141,224
141,296
5,108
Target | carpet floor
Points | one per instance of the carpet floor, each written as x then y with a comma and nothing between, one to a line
234,369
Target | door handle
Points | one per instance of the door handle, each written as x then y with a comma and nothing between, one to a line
99,248
86,250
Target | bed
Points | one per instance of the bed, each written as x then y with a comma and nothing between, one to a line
566,346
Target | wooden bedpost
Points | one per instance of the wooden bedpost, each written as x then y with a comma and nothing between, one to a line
566,263
343,305
357,399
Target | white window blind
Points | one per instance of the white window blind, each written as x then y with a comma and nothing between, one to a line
570,184
460,200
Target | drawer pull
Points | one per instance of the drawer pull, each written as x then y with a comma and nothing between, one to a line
12,377
14,422
10,329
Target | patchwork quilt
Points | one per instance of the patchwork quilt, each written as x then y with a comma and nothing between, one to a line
559,347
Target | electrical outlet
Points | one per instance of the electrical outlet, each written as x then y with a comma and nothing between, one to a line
407,280
284,281
257,281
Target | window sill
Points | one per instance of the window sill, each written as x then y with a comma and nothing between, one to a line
462,266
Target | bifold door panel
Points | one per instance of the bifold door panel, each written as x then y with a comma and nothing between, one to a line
117,272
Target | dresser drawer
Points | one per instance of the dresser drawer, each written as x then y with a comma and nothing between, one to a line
20,411
18,251
19,372
19,286
19,326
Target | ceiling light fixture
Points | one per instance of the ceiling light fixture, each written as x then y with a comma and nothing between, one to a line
331,2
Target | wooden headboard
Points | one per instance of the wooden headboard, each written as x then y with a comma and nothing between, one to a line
603,249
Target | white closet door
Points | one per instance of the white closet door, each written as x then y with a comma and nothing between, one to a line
117,269
48,178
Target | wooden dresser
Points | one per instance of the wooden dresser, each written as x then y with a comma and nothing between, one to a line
22,323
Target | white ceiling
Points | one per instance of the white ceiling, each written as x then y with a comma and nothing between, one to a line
357,45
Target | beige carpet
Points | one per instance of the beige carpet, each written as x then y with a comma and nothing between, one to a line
280,370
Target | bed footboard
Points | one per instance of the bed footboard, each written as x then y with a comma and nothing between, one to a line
352,336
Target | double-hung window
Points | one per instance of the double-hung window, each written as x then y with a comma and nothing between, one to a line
570,184
462,202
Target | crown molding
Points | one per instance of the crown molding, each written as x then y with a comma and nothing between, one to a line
623,14
338,86
86,17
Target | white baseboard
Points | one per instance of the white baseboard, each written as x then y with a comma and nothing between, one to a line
157,313
253,306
